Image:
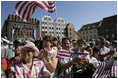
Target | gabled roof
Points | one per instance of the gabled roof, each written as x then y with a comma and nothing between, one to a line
90,26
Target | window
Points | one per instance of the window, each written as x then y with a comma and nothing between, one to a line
107,36
91,36
27,33
49,27
70,29
83,32
45,27
113,35
70,33
42,22
30,33
42,27
94,36
45,23
45,18
112,29
86,31
94,31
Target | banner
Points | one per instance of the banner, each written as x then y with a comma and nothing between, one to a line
12,34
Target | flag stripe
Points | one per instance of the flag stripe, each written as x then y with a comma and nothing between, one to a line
106,69
101,70
63,54
31,11
41,5
24,9
23,6
47,5
59,56
27,9
51,2
17,6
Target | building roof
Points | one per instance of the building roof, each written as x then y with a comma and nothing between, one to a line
69,25
90,26
109,20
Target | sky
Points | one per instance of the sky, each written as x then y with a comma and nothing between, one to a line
76,12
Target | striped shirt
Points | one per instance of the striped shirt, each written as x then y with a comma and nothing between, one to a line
20,70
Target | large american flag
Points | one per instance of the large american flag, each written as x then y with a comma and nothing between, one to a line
65,53
25,9
106,69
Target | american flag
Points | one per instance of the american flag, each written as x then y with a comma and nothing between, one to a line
106,69
114,70
65,53
25,9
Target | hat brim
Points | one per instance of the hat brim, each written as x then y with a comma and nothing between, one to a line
27,47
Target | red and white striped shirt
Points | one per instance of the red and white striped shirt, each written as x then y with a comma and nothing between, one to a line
20,70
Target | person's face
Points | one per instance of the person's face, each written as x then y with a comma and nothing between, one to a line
81,45
66,44
11,46
90,51
17,51
27,55
46,43
107,44
115,45
96,55
55,43
102,41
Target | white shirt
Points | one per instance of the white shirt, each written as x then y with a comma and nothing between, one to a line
104,50
94,61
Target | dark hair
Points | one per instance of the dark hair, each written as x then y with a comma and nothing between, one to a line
55,39
87,47
48,38
65,39
95,50
80,40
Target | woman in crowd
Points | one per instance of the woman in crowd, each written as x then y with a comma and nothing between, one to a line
55,44
48,54
93,61
27,67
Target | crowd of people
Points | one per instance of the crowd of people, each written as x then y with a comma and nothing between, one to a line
51,57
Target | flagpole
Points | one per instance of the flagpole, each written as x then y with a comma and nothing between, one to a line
56,10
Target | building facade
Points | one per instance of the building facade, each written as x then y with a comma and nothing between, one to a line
60,27
34,28
15,27
46,26
70,31
89,31
108,28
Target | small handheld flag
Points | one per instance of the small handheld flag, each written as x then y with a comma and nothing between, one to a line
65,53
